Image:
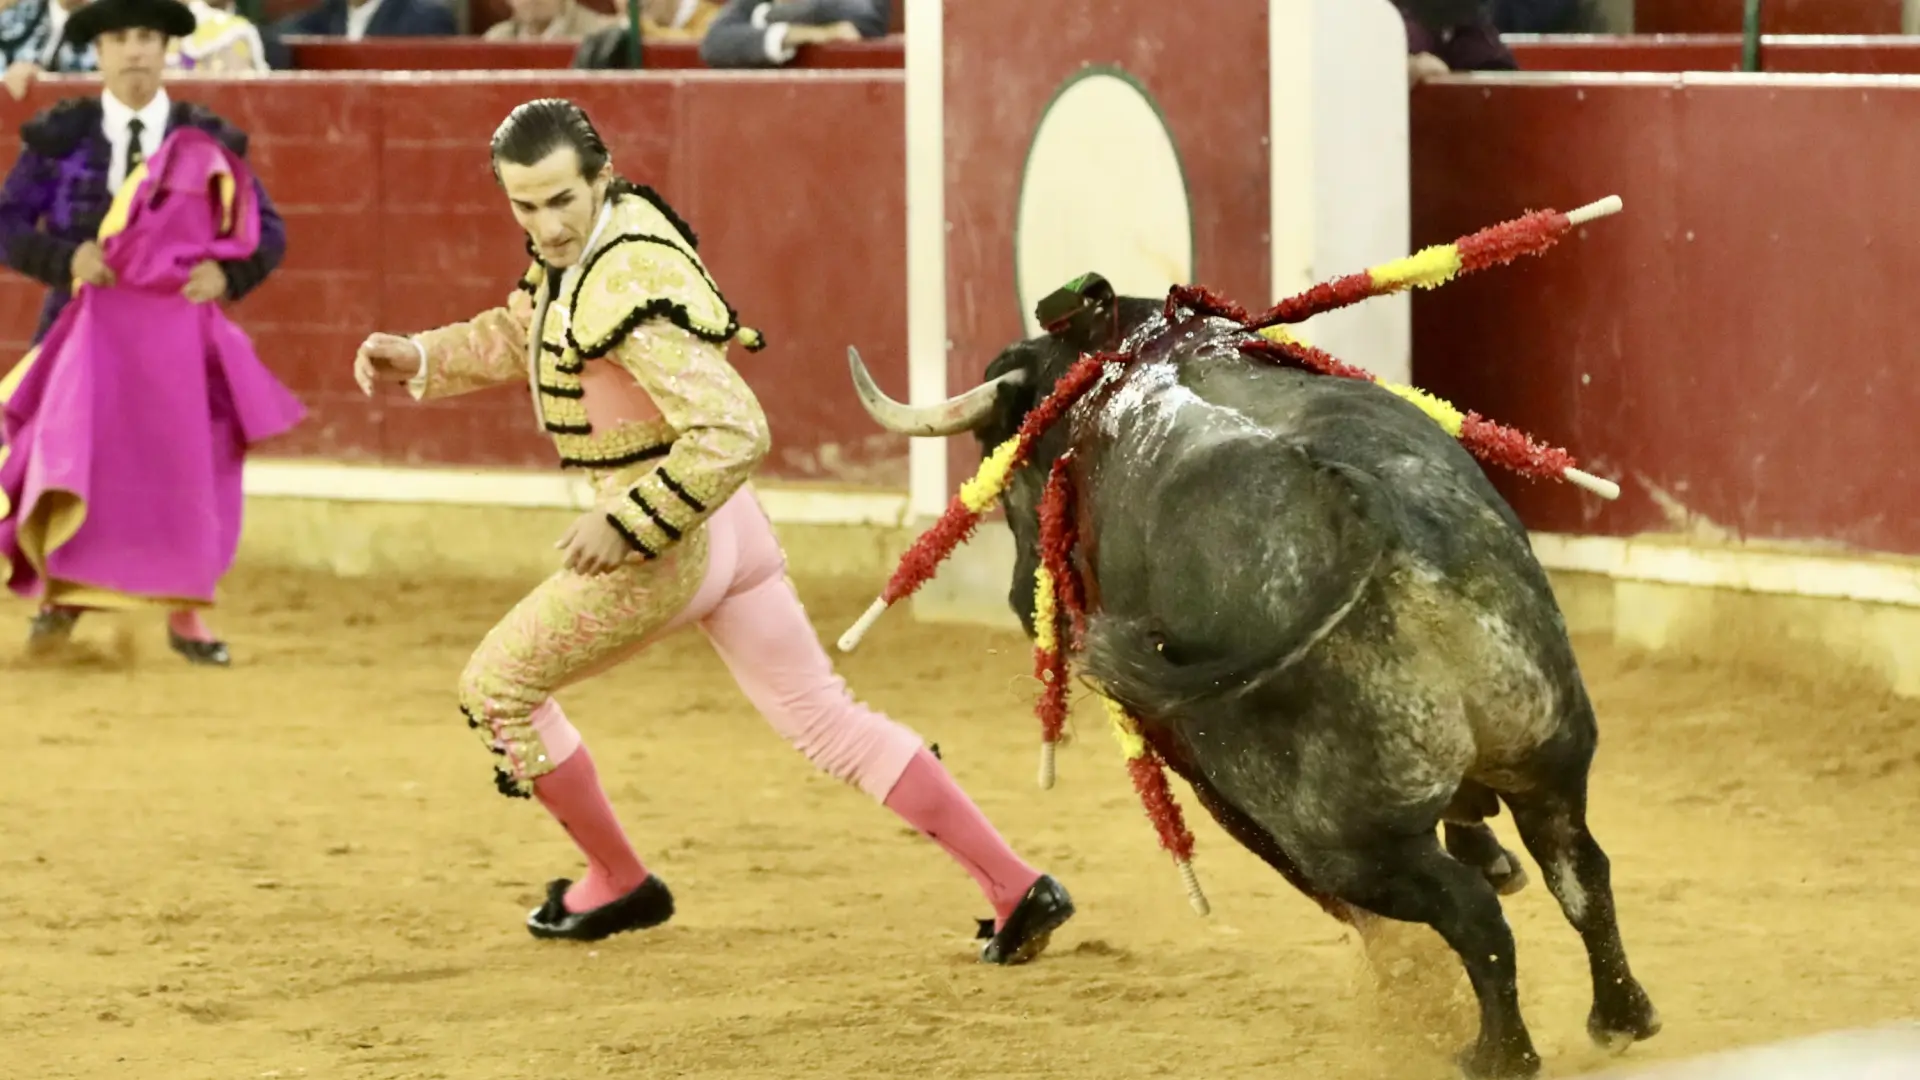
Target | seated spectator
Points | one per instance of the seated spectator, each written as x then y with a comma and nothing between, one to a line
222,41
29,29
757,33
33,39
674,20
660,20
1452,35
609,47
357,19
1545,16
548,20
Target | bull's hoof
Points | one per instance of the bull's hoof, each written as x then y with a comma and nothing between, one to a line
1485,1061
1630,1019
1506,875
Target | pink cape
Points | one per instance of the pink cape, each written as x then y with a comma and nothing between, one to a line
139,406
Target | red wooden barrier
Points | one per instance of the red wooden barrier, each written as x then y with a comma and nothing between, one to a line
796,186
1718,52
473,54
1776,16
1736,344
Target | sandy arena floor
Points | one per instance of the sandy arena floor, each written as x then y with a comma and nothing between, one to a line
300,868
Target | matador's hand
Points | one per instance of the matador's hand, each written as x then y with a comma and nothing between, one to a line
593,545
384,357
206,282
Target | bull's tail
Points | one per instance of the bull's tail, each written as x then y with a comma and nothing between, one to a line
1130,661
1128,658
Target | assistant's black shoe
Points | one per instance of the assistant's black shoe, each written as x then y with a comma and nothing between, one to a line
50,628
210,653
649,904
1026,932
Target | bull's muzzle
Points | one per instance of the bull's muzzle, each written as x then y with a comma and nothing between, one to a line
949,417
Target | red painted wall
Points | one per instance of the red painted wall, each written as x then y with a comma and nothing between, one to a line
1720,52
1737,341
796,186
1776,16
1205,64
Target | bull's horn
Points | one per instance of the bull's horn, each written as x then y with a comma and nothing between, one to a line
950,417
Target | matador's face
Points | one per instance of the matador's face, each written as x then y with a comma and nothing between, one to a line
555,203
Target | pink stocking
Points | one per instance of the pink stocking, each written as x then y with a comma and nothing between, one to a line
572,794
187,623
929,799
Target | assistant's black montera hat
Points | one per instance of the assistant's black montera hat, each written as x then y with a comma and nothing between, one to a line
169,17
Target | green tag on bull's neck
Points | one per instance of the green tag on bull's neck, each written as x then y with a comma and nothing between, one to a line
1083,294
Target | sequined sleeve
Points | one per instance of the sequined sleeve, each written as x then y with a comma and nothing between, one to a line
486,350
722,434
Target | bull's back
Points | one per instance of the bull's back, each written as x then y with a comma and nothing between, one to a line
1325,540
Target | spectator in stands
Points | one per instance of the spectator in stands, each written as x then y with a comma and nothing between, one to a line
1545,16
33,37
674,20
221,41
1452,35
357,19
29,30
610,47
756,33
548,20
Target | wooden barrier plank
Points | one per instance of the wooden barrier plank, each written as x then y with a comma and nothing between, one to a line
1732,347
1777,16
1717,52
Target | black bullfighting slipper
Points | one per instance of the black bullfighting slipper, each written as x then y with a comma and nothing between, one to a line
210,653
50,629
1026,932
650,904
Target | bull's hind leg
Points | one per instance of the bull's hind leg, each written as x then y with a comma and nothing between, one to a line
1413,880
1553,825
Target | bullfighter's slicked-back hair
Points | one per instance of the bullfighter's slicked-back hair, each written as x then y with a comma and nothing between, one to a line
538,128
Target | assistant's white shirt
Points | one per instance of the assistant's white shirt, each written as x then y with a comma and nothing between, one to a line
114,118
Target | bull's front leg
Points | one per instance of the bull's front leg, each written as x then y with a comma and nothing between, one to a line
1476,846
1470,840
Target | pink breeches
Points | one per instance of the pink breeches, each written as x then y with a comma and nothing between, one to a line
734,585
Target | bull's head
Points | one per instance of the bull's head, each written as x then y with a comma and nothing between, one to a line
1083,316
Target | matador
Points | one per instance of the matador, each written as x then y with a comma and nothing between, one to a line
621,336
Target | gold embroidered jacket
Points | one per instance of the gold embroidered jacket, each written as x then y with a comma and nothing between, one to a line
625,359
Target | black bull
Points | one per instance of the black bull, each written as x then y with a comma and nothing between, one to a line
1331,625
